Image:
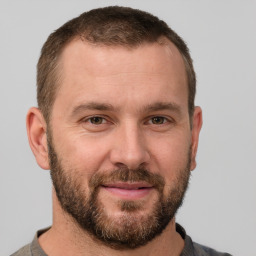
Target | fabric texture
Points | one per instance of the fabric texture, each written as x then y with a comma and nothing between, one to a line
190,248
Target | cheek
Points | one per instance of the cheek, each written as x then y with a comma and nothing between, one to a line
83,153
171,156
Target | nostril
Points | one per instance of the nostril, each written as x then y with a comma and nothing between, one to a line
120,165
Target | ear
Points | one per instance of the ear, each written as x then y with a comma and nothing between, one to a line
197,124
36,131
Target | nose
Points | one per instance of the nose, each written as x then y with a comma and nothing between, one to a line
129,148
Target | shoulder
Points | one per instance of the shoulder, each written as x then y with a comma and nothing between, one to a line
24,251
202,250
194,249
32,249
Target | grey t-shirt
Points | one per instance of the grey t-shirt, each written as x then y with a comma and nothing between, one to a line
190,249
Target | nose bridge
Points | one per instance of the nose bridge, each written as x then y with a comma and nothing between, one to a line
130,147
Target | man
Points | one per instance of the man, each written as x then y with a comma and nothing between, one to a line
117,126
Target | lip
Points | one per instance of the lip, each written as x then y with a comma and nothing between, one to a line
128,191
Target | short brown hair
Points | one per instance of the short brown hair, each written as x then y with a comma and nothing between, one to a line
112,25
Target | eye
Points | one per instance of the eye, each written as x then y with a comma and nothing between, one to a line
96,120
96,123
158,120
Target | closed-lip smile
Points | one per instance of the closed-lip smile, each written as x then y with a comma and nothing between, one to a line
129,190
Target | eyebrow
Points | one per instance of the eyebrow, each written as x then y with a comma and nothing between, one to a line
162,106
92,106
108,107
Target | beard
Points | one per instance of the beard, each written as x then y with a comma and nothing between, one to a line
129,230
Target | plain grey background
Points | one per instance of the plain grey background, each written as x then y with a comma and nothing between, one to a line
220,206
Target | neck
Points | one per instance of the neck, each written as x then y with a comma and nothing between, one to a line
66,238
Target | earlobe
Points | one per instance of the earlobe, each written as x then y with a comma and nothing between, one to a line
197,124
36,131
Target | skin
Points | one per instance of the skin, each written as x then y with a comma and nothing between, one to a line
133,89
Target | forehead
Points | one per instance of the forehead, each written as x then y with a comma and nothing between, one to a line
106,60
117,73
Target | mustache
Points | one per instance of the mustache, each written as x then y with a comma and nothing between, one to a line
125,174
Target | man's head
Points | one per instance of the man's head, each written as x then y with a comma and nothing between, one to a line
118,130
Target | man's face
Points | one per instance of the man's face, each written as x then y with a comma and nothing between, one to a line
120,139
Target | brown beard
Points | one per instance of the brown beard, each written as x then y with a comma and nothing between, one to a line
130,230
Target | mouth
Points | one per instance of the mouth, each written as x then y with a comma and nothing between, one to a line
128,191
